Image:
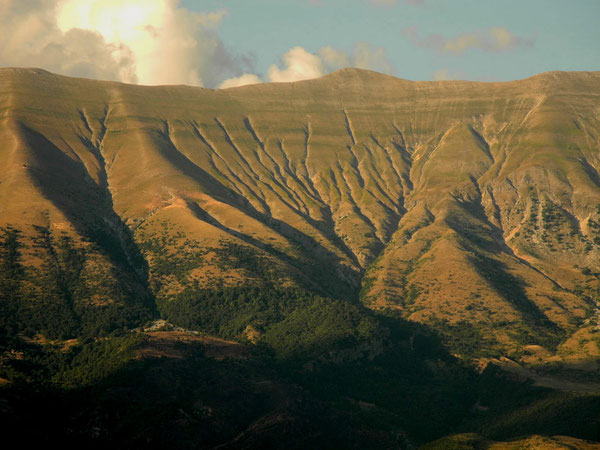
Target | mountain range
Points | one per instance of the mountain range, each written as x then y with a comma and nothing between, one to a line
469,208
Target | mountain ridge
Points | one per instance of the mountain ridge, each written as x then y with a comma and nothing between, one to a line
340,73
378,184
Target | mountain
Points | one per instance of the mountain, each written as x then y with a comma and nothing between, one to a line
354,260
460,204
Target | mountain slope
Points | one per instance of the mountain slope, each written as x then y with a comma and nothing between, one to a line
460,204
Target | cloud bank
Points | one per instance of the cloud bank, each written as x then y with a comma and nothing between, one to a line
151,42
299,64
135,41
29,36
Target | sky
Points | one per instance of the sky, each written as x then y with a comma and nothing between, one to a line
226,43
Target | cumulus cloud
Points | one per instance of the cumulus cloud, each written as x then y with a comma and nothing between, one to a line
145,41
495,39
151,42
30,37
242,80
299,64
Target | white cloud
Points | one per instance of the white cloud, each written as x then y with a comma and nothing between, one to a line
30,37
299,65
145,41
172,45
151,42
242,80
494,39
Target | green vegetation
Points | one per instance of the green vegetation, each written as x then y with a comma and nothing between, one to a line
54,299
187,254
11,275
466,339
320,327
95,361
522,410
377,381
75,366
237,256
227,311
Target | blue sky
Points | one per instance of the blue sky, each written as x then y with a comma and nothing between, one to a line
565,34
225,43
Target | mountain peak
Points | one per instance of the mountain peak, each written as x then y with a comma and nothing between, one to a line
355,73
